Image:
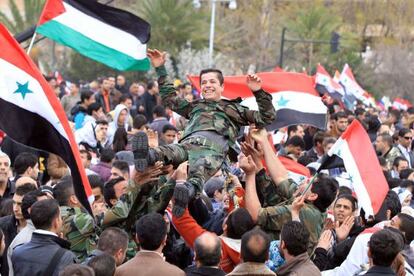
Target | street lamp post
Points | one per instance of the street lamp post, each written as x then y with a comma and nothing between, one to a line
232,6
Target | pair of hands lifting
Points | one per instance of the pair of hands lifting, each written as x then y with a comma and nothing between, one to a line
158,59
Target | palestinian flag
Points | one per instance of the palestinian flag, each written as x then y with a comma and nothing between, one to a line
326,85
108,35
362,165
31,114
294,97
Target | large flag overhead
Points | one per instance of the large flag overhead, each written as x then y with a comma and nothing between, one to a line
108,35
353,91
362,165
326,85
294,97
31,114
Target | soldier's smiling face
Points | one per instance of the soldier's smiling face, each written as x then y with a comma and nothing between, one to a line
211,89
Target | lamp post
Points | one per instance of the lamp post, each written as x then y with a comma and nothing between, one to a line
197,4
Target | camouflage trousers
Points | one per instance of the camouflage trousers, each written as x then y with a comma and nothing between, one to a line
204,158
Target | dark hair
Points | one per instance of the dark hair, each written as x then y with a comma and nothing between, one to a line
88,154
96,182
255,246
139,121
77,270
293,128
403,132
384,246
159,111
340,115
407,183
325,187
344,190
397,161
208,255
101,122
238,222
151,230
386,138
85,95
318,137
120,139
150,85
107,155
168,127
103,265
407,227
350,198
296,237
6,207
404,174
391,202
359,111
43,213
23,161
28,200
296,141
112,239
125,97
25,188
109,191
93,107
121,165
218,73
63,190
305,160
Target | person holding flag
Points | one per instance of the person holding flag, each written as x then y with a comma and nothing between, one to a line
211,133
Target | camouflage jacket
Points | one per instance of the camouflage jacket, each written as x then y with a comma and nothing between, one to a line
390,156
224,117
272,218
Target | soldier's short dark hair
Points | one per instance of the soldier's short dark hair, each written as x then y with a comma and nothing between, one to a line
63,190
295,237
121,165
255,246
325,187
103,265
208,255
109,191
28,200
386,138
43,213
239,222
112,239
151,231
218,73
384,246
23,161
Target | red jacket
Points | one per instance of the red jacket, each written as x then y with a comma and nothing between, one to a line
190,230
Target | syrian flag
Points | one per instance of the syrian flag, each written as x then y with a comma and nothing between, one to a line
362,165
326,85
294,97
401,104
296,171
105,34
353,91
31,114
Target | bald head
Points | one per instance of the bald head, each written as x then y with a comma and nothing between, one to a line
207,249
255,246
25,179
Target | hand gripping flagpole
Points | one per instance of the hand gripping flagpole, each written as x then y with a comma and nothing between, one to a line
31,42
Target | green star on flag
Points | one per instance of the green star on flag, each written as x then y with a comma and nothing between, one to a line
23,89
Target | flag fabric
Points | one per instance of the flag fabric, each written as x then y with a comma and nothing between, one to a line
353,91
326,85
296,171
401,104
362,165
32,115
105,34
294,97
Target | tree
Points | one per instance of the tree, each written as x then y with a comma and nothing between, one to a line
21,20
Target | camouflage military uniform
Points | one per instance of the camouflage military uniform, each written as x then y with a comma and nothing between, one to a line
390,156
272,218
223,118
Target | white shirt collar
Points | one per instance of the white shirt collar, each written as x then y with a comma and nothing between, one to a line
44,232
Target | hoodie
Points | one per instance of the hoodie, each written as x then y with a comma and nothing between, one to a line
113,126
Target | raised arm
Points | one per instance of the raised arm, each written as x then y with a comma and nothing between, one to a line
167,91
251,199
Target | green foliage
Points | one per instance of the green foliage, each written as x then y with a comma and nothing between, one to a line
173,24
21,20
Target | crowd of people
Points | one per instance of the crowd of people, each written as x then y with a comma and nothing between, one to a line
180,189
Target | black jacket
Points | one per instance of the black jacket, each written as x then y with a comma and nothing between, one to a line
380,271
203,271
8,225
33,258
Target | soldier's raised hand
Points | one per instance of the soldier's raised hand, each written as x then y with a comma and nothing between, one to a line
254,82
157,57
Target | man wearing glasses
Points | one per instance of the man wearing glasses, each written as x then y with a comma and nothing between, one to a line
405,138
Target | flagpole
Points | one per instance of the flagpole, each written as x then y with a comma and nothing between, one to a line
31,43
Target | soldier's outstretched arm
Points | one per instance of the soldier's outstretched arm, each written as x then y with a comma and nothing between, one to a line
167,91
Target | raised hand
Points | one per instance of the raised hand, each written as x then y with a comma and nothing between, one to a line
325,240
181,172
254,82
259,135
247,165
157,57
150,174
342,231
